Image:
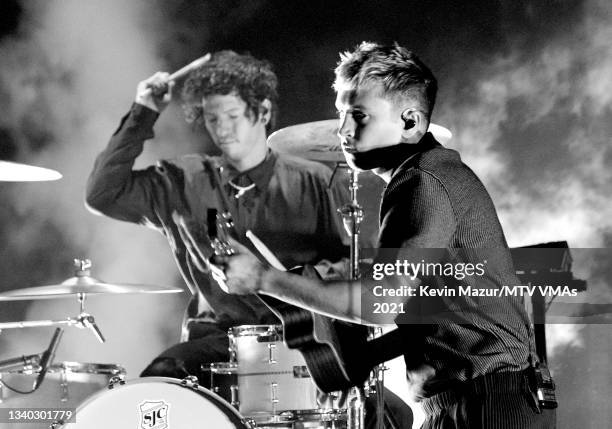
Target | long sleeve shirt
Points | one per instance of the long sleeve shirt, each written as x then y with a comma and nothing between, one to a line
291,208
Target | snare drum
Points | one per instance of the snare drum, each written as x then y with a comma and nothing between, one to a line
156,403
66,385
272,379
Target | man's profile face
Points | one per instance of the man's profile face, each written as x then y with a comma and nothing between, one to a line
231,128
367,121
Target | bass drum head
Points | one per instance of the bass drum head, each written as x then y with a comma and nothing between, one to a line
156,403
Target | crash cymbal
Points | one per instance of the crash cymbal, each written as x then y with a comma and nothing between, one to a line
14,172
319,140
84,285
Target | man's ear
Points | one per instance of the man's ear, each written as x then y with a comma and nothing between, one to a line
414,124
265,111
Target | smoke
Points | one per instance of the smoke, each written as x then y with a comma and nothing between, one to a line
68,73
535,127
529,108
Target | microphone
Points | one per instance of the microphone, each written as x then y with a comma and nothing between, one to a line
48,356
21,362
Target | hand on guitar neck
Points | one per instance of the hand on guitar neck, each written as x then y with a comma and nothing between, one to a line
206,253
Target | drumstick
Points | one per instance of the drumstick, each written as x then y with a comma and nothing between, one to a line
183,71
265,252
189,67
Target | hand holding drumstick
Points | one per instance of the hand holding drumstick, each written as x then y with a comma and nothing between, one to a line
156,91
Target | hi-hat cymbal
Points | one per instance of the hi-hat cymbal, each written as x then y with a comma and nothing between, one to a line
81,285
14,172
319,140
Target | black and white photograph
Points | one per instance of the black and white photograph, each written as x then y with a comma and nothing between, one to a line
305,214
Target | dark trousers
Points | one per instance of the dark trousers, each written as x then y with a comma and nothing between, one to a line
209,343
496,401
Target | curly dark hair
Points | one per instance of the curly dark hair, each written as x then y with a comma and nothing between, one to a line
228,72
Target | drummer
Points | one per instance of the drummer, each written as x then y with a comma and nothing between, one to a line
287,202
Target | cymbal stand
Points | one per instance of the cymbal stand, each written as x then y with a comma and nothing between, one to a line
83,320
352,216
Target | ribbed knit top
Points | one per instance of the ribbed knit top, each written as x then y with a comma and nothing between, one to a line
434,200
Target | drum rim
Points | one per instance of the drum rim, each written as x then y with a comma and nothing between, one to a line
310,415
254,330
76,368
222,367
234,416
88,368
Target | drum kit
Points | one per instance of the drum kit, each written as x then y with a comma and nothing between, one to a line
264,385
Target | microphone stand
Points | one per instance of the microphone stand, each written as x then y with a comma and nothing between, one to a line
41,360
47,357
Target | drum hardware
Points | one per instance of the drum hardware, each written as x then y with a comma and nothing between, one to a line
116,379
15,172
64,386
352,216
271,357
81,285
273,396
356,409
190,381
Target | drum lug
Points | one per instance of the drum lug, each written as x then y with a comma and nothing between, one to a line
235,400
274,396
116,379
272,354
190,381
64,385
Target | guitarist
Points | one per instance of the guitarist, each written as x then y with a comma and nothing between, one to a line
468,358
285,200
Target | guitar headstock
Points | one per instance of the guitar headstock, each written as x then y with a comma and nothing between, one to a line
207,245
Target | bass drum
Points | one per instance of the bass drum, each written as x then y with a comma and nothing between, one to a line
156,403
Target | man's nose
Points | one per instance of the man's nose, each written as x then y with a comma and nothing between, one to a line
347,127
222,128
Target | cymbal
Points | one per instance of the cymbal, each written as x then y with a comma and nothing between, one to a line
82,285
319,140
14,172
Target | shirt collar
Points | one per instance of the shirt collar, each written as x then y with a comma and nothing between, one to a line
260,174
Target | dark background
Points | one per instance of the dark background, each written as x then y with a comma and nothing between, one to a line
525,87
